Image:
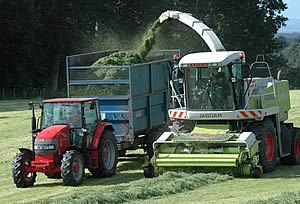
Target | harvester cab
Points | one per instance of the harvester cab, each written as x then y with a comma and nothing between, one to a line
68,138
241,110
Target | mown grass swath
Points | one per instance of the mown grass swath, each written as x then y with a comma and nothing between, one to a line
167,184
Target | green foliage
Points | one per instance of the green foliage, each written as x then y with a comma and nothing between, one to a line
37,35
292,55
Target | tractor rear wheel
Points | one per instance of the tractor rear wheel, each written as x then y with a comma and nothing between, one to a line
72,168
23,178
266,134
108,156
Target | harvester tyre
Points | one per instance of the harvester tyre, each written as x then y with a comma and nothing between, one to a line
294,157
149,171
266,134
20,177
72,168
108,156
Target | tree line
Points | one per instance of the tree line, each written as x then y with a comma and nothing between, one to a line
36,36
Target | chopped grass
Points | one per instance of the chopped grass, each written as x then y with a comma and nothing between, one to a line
167,184
131,57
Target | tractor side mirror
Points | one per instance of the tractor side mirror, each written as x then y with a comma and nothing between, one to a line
92,105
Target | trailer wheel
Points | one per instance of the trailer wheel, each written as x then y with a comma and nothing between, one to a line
108,156
22,178
72,168
266,134
149,171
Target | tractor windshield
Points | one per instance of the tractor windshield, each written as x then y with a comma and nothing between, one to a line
62,113
208,88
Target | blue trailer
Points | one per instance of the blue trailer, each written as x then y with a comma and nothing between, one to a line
134,98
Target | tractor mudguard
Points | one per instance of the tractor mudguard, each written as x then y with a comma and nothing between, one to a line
98,134
25,150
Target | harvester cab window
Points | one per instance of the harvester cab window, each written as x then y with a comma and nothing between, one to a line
208,88
238,83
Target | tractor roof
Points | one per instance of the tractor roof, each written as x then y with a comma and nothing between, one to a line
220,58
62,100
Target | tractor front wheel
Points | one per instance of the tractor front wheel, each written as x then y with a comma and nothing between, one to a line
21,176
72,168
108,156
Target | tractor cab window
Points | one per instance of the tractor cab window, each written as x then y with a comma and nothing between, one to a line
90,116
62,113
208,88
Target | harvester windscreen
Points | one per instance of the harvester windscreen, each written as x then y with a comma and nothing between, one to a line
208,88
62,113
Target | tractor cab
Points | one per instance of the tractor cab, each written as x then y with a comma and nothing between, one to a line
80,115
71,137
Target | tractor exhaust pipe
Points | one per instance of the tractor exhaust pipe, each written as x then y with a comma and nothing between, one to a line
33,122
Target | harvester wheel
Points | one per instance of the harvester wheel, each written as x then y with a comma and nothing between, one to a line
257,172
72,168
294,157
108,156
149,171
266,134
21,177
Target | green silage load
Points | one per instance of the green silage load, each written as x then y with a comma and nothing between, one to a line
132,57
122,58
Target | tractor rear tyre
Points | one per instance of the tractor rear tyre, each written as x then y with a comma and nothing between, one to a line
266,134
72,168
149,171
21,178
108,156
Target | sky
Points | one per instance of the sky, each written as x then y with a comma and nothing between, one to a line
292,12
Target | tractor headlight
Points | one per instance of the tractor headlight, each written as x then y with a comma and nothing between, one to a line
44,147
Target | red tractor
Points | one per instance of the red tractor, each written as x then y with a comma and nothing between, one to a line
70,138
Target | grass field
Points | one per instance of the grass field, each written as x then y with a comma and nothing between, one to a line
129,185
